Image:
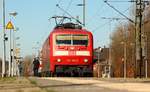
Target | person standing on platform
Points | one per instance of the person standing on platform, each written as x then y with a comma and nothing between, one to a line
36,64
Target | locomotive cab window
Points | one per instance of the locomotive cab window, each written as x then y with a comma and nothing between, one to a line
80,40
77,39
63,39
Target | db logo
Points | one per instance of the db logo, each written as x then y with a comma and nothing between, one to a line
72,53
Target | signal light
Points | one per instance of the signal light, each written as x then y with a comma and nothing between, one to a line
58,60
85,60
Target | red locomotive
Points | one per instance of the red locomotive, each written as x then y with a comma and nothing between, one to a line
68,50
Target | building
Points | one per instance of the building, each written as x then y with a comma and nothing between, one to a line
102,62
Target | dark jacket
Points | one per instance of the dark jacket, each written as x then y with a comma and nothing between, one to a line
36,64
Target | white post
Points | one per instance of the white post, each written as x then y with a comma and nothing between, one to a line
98,64
84,12
4,39
13,68
109,61
13,54
146,61
146,69
125,59
99,50
10,60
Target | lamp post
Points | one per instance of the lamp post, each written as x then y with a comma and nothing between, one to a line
110,61
12,49
124,59
4,41
146,57
11,57
99,50
83,5
17,54
14,64
124,51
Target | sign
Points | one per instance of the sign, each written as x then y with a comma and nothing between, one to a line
9,25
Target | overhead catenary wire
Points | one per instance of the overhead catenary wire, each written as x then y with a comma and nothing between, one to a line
59,1
101,26
69,4
97,13
69,14
120,1
55,10
100,11
105,1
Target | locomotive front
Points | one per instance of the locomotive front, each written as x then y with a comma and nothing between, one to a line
72,51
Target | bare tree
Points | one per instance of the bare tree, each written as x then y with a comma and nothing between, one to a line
127,36
27,65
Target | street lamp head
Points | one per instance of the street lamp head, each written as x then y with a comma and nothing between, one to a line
13,13
99,48
80,4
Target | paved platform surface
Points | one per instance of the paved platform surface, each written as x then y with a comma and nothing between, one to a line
94,84
70,84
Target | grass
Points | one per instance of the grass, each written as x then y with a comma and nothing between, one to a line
7,79
33,82
48,90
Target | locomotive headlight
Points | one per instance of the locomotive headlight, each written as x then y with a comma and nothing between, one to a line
58,60
85,60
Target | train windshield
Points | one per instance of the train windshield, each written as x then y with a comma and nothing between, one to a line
77,39
63,39
80,39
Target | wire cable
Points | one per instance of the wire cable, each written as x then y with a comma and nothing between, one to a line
118,11
69,4
120,1
69,14
101,26
59,1
102,10
98,12
55,11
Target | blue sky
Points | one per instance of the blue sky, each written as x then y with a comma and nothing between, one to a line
34,26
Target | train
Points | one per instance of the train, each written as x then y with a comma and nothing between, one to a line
67,51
